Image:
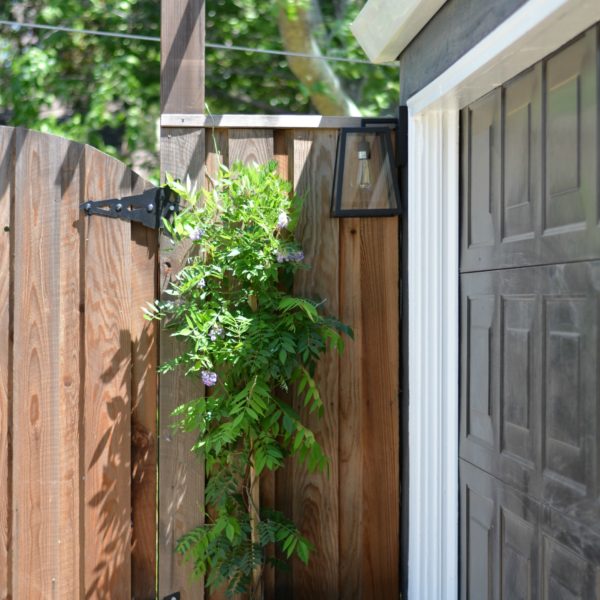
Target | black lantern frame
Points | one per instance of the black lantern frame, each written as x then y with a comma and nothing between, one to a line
383,128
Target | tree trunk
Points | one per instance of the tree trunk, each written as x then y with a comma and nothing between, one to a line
325,88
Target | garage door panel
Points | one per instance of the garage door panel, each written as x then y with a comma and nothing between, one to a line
521,156
567,345
569,558
480,331
570,202
479,572
530,194
535,366
517,393
518,555
517,548
482,152
499,539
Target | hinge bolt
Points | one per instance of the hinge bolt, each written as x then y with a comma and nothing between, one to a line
171,207
118,207
88,207
150,208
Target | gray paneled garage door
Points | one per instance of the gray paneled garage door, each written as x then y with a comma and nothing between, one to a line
530,312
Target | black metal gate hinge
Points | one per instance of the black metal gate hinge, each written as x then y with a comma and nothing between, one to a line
148,208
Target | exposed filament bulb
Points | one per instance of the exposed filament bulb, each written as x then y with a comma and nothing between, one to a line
364,171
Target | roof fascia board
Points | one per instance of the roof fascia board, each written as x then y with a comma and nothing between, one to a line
385,27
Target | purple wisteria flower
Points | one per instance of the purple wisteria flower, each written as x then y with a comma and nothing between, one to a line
196,234
282,221
283,257
215,332
209,378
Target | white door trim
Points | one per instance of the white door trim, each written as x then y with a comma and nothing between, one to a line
535,30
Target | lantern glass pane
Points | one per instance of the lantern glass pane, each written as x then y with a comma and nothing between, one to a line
368,172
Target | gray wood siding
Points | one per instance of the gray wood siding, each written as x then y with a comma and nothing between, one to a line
453,31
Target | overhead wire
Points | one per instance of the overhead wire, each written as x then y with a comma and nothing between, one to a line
212,45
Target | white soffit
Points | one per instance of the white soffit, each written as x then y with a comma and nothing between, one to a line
385,27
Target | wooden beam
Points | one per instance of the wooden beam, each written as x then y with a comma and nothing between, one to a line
181,474
6,307
182,56
258,121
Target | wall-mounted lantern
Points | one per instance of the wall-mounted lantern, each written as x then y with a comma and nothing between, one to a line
367,168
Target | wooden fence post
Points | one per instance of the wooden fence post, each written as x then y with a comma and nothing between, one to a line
181,474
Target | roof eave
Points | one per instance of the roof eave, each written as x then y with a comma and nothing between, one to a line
385,27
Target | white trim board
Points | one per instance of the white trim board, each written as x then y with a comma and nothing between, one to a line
535,30
384,28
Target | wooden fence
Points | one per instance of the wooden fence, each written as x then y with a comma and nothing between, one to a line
78,386
352,516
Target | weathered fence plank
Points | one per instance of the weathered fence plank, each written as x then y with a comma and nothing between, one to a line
379,556
369,411
6,235
69,182
144,390
352,395
107,407
44,527
250,146
217,153
315,505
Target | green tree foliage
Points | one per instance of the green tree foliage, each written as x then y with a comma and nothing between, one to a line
105,91
248,339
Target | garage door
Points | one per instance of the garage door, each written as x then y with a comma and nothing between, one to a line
530,312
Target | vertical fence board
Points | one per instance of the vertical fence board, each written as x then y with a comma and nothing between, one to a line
70,184
379,556
144,391
44,526
6,201
315,496
351,412
181,474
107,458
217,153
250,146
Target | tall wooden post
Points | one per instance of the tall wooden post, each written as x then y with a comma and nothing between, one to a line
181,474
